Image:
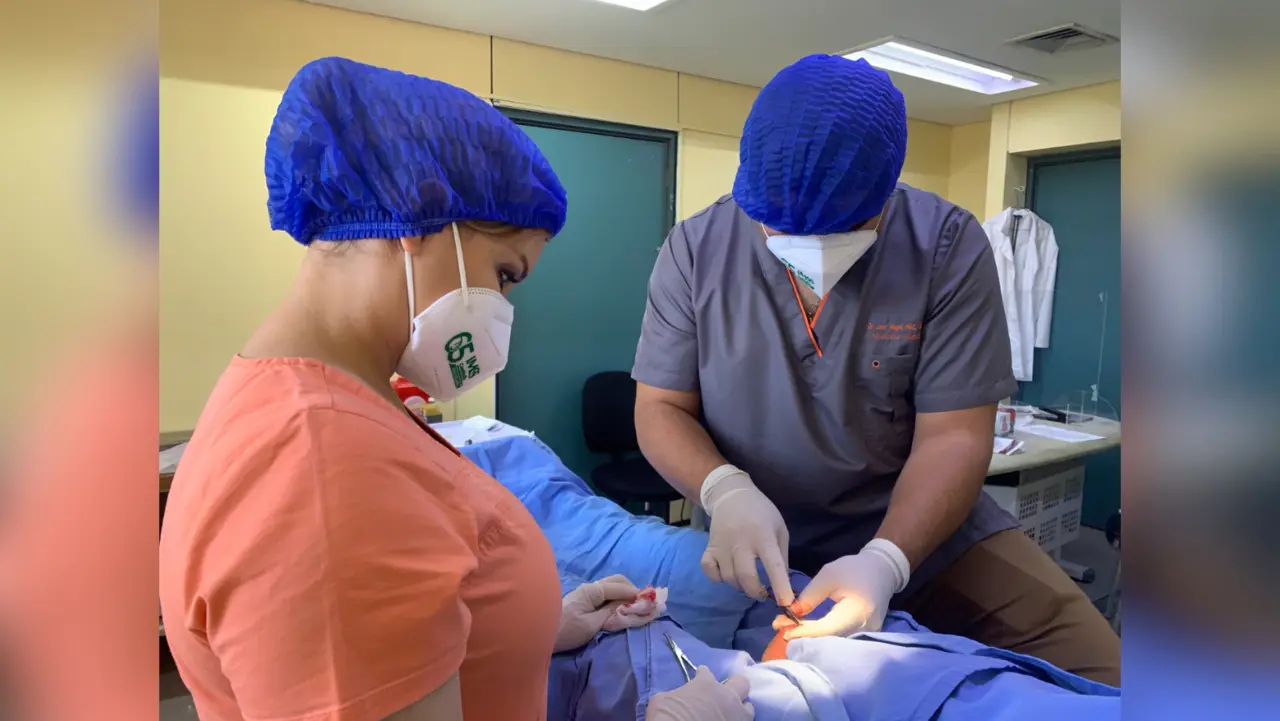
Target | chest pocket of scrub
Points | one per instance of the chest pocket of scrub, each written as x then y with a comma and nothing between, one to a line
888,413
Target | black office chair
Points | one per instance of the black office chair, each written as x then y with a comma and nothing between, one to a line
609,427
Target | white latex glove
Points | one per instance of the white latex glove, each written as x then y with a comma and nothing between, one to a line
585,609
703,699
745,526
861,586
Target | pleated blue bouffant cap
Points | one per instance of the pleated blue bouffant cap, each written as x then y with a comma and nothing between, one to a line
822,148
357,151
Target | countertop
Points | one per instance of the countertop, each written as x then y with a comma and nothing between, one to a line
1041,451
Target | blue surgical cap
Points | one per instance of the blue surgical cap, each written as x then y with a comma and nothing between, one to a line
142,144
357,152
135,161
822,147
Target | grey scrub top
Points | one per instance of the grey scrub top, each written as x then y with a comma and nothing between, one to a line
915,326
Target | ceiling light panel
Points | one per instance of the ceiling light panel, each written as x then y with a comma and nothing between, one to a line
635,4
896,55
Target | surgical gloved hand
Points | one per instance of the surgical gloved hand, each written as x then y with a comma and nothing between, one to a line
584,610
703,699
745,526
861,586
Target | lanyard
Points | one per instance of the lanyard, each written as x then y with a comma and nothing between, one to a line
808,322
795,290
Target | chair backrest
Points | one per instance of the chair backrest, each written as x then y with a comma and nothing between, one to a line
608,413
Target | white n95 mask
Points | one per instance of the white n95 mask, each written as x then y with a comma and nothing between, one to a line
460,340
819,261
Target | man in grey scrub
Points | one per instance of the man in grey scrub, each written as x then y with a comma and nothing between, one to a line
819,365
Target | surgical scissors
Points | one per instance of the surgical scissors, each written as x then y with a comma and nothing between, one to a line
786,611
686,666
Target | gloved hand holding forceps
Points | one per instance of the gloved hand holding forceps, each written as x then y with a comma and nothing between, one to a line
745,527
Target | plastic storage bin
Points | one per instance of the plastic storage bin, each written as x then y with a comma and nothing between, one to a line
1046,502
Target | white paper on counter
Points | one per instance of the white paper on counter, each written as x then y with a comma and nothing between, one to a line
1060,434
1006,446
169,458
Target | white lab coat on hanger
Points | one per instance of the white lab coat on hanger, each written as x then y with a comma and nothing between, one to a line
1028,267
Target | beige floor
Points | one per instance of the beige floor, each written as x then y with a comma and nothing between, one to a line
178,708
175,702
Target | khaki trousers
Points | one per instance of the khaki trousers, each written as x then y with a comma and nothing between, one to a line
1007,593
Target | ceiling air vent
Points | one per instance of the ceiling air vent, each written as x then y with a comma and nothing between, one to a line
1063,38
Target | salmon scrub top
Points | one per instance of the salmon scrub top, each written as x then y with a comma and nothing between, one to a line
324,558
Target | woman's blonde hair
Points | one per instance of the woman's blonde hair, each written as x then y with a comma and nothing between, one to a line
491,227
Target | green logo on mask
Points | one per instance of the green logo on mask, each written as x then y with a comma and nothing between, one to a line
805,279
801,275
460,351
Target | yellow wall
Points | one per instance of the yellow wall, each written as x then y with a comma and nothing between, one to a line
711,117
1072,119
262,43
221,266
584,86
223,65
967,179
1069,119
709,163
713,106
928,156
77,273
68,247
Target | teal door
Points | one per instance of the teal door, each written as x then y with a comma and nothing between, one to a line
580,311
1080,197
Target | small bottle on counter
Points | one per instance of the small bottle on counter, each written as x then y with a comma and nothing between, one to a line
1005,417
